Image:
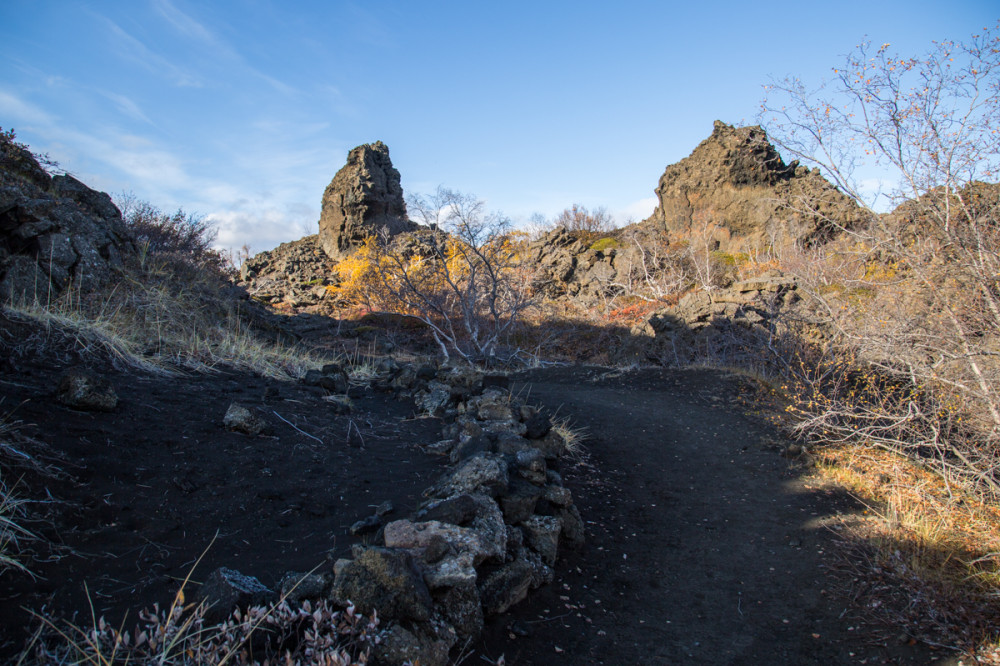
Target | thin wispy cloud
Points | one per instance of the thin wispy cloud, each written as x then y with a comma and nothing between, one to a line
186,25
189,27
127,106
137,52
17,110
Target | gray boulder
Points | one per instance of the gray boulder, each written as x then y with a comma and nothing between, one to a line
511,583
542,535
242,419
461,607
484,474
518,504
466,547
435,399
295,586
457,510
226,589
398,646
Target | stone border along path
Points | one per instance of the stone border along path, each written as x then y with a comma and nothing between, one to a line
489,533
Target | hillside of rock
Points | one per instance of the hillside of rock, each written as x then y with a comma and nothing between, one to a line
735,189
295,273
54,231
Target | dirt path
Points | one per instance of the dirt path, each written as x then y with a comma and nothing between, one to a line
705,545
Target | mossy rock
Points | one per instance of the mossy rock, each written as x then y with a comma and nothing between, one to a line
724,258
385,580
605,244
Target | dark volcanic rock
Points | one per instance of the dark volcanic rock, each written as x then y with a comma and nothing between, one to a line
80,390
457,510
295,586
54,231
386,580
296,273
243,419
736,183
362,200
225,590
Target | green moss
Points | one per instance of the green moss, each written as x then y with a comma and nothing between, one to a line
831,289
605,244
724,258
859,294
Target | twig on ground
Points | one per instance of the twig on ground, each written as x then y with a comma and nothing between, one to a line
298,429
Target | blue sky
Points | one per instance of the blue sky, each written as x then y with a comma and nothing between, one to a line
243,111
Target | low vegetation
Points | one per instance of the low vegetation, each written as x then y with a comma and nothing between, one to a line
279,633
464,277
168,311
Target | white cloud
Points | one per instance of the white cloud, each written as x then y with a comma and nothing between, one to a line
637,211
261,228
189,27
263,197
184,23
12,106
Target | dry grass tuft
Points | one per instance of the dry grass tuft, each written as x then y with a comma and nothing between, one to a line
572,436
159,329
13,508
12,534
927,553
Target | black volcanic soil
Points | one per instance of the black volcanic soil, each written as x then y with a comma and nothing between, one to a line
149,485
704,544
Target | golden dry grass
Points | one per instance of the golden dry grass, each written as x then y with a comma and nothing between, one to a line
927,550
153,328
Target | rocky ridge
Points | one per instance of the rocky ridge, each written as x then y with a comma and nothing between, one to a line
735,187
734,184
294,273
54,231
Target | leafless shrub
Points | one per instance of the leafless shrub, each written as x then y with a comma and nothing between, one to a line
579,218
463,277
915,308
180,237
650,267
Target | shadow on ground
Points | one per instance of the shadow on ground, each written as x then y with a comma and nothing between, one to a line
705,545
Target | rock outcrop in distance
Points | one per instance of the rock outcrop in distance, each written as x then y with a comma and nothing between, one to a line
54,231
364,199
295,273
736,188
732,194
